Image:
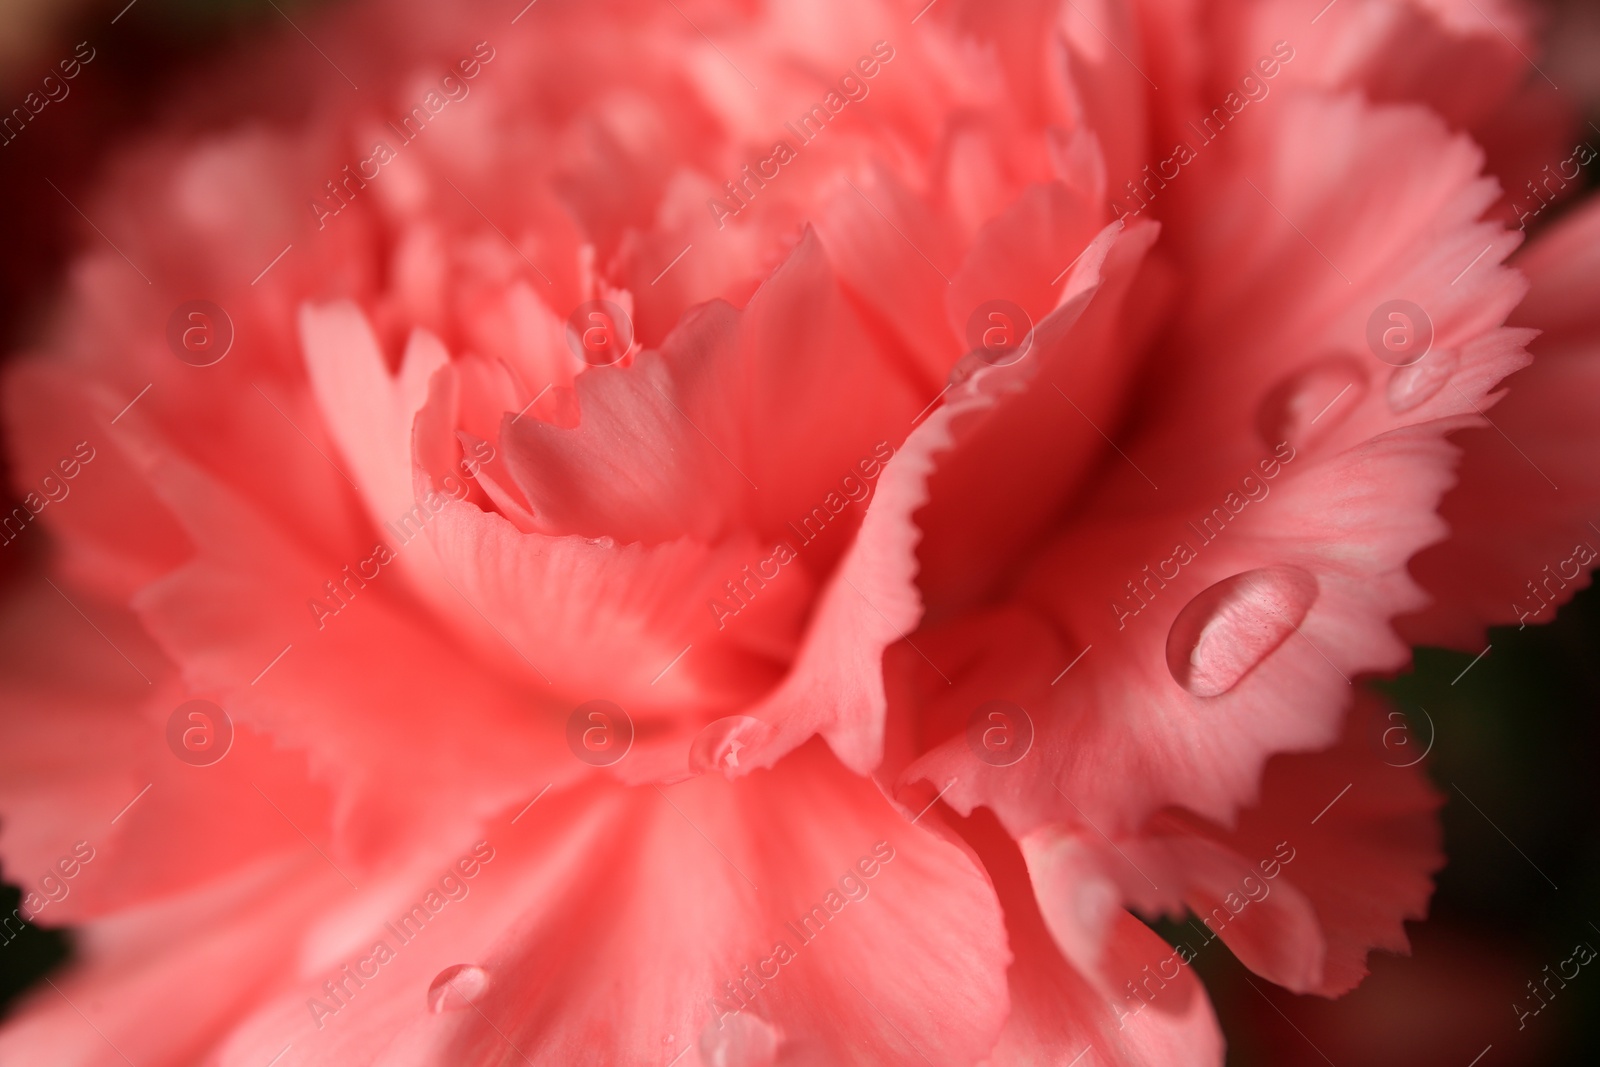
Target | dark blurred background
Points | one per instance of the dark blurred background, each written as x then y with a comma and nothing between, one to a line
1518,734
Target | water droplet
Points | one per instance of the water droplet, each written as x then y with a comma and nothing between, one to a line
1304,407
457,987
1410,386
1224,633
742,1040
725,745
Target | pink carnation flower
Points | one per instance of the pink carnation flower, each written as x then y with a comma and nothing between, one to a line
738,533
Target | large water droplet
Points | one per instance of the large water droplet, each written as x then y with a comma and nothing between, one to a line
1304,407
457,987
742,1040
1411,386
1224,633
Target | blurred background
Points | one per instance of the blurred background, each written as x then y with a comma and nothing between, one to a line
1518,734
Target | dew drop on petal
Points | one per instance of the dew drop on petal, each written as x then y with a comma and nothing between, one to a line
1224,633
727,745
457,987
1304,407
1412,385
742,1040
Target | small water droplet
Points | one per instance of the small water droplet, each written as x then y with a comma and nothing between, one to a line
725,745
457,987
742,1040
1305,406
1412,385
1224,633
